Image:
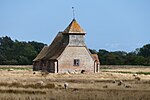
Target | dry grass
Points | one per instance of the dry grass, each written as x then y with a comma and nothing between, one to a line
14,91
81,94
34,85
26,85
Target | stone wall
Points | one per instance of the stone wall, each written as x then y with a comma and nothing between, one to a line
76,40
66,60
48,66
36,66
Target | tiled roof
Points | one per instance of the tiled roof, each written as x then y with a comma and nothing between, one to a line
41,54
74,27
53,51
95,57
56,48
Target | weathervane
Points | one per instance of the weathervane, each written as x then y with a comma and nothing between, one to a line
73,12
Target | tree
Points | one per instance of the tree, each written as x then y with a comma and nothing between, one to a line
112,58
37,46
24,52
102,56
144,51
15,52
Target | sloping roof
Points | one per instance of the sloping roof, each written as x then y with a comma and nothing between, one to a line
95,57
74,27
56,48
41,54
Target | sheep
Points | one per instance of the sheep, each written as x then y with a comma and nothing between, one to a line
105,86
113,81
40,83
120,82
65,85
127,86
137,78
10,69
44,73
134,74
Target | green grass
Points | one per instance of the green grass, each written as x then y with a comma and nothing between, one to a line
127,72
145,73
14,68
101,68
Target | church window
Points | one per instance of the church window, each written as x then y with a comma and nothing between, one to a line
76,62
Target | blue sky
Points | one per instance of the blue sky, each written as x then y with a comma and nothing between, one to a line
113,25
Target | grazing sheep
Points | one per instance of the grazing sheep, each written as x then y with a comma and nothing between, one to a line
40,83
114,81
134,74
127,86
65,85
10,69
105,86
137,78
120,82
44,73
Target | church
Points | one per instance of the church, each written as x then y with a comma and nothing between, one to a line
67,53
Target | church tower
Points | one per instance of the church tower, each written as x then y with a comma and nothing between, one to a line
67,53
75,34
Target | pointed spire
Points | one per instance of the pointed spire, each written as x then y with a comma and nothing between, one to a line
74,28
73,12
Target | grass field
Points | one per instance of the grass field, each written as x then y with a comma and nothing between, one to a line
21,83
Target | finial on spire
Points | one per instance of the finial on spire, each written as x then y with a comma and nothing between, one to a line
73,12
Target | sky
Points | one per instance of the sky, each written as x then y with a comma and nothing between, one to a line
113,25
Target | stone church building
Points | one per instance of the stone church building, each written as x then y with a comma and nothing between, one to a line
67,53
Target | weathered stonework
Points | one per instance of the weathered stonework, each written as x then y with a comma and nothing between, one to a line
76,40
66,60
67,53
